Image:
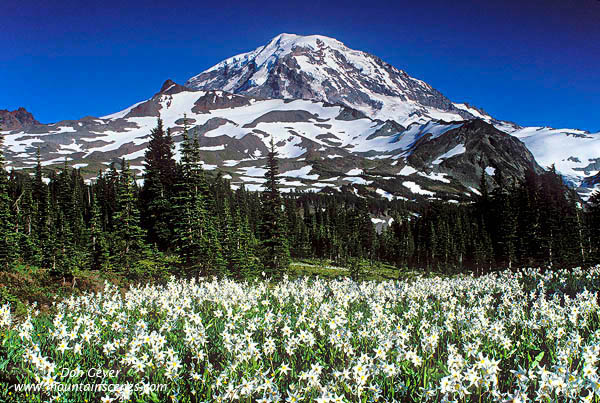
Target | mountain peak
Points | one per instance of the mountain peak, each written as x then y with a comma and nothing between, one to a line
170,87
166,85
320,68
289,41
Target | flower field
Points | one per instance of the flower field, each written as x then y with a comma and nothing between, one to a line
502,337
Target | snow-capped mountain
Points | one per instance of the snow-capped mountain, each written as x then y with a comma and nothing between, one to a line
340,118
324,69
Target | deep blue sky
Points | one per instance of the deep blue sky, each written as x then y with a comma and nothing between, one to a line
535,62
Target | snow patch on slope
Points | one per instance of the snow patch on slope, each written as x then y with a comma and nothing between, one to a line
407,139
302,173
456,150
415,188
436,176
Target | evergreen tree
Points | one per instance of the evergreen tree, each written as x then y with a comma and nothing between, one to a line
159,179
528,223
406,244
194,235
551,193
504,222
275,250
229,239
45,230
482,249
128,237
99,247
78,209
243,260
365,229
186,241
24,216
213,260
65,252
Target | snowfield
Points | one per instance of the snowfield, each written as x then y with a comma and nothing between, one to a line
572,151
501,337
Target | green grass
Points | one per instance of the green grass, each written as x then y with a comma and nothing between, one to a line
327,269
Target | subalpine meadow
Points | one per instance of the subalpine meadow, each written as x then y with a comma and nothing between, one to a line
507,336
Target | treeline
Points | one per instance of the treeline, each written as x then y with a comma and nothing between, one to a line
190,222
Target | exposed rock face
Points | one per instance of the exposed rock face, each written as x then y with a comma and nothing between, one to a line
212,124
148,108
218,100
170,87
153,106
17,119
389,128
293,116
484,146
350,114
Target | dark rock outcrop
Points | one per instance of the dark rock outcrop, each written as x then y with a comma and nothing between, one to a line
17,119
484,146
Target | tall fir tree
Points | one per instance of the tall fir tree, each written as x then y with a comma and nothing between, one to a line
275,249
191,236
365,229
243,260
504,221
128,237
528,223
158,191
550,191
184,193
24,214
46,240
99,247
